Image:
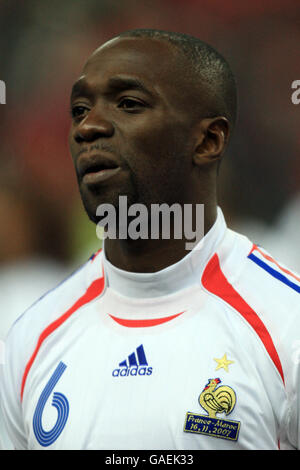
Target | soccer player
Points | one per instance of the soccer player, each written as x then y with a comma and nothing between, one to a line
149,345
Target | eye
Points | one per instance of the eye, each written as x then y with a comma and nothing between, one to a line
77,111
130,104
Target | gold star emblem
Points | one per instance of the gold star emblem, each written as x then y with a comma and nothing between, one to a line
223,362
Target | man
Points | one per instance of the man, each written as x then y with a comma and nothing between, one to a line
148,345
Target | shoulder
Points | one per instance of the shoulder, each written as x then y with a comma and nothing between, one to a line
264,292
255,272
78,288
51,304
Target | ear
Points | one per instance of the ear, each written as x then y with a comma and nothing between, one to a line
212,135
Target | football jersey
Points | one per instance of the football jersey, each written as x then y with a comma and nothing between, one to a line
201,355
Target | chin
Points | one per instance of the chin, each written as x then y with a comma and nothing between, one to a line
93,199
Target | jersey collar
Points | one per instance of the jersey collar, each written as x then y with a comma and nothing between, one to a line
178,276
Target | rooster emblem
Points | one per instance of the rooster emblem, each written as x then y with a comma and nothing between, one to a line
215,399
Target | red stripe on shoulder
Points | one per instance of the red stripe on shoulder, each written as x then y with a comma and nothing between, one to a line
95,289
214,280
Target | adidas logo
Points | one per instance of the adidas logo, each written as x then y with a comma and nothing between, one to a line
135,364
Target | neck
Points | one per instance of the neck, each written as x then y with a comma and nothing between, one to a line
152,255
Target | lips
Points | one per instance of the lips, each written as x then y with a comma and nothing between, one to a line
94,164
93,169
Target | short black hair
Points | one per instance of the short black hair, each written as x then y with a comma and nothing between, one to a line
208,66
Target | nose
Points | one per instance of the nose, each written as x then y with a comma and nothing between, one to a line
93,126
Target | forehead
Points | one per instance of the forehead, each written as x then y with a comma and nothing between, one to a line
154,62
150,57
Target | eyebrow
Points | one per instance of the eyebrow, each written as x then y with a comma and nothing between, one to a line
114,84
80,88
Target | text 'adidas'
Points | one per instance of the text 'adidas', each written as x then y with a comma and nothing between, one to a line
135,364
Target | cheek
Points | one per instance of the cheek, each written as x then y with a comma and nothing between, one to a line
159,144
158,163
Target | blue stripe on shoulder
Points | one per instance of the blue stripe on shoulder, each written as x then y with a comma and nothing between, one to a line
274,273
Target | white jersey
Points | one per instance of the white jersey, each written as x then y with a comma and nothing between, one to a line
201,355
